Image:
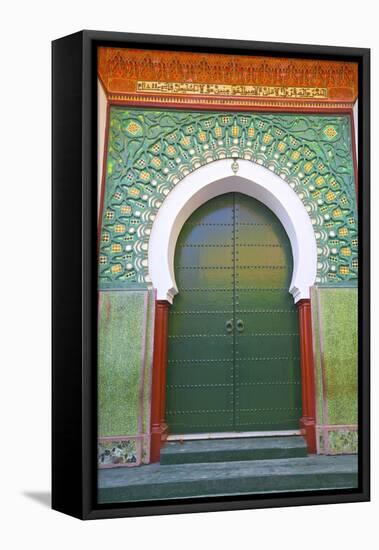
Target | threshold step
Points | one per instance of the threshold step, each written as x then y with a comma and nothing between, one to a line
225,450
154,481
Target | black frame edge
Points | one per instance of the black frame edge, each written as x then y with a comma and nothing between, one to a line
67,420
364,175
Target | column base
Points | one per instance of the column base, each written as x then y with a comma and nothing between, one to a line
308,430
159,434
164,433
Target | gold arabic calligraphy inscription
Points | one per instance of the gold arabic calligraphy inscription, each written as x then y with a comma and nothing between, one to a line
193,88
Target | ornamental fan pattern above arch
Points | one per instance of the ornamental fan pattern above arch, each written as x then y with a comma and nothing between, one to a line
150,151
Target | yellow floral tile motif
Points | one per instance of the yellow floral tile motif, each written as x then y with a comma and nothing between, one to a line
125,209
119,228
145,176
320,180
295,155
330,195
133,128
156,161
116,268
134,192
150,151
330,132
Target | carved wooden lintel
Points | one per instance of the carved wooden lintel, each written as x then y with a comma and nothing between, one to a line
144,76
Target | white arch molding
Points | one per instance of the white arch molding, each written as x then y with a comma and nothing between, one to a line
215,179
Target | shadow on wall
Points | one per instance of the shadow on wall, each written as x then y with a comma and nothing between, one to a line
41,497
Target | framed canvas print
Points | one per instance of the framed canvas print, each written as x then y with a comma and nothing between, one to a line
210,274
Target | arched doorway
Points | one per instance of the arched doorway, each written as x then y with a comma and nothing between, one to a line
189,194
233,347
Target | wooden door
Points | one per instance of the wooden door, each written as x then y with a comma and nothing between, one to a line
233,356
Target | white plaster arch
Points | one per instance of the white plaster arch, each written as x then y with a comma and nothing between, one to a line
216,179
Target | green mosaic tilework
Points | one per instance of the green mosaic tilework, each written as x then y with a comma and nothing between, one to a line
339,321
150,151
343,441
336,441
317,358
124,361
148,375
118,452
335,338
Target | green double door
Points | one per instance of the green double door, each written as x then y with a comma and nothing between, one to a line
233,356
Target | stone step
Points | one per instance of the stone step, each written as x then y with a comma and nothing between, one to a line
225,450
154,481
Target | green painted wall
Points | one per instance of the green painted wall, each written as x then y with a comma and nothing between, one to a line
124,369
335,334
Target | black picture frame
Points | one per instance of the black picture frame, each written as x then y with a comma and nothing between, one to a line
74,271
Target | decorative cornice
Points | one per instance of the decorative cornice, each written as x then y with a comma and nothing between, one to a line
161,76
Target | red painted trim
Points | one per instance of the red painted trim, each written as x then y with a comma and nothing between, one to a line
158,396
223,107
354,152
103,177
308,387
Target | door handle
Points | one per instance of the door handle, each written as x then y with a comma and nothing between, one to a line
240,325
229,325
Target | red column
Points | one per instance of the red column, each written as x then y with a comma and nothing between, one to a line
158,397
308,389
